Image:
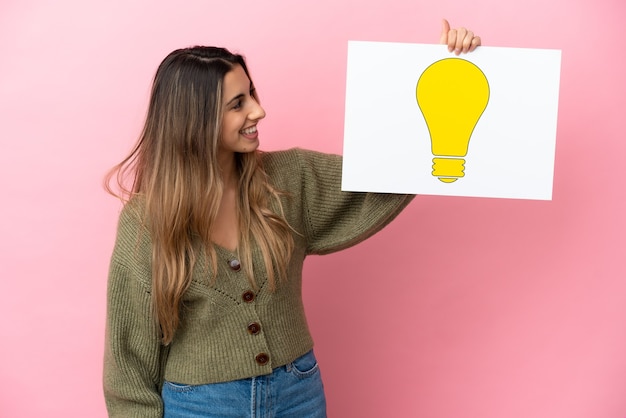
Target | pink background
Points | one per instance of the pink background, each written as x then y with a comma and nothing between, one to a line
526,317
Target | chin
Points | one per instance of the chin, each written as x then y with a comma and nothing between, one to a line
252,147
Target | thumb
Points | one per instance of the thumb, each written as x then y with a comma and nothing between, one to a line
445,28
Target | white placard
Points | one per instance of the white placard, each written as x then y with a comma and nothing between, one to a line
395,129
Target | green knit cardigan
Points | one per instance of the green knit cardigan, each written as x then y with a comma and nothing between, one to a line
216,342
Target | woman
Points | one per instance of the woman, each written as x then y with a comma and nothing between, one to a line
205,314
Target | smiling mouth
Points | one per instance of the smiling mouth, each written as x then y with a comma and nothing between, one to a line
249,131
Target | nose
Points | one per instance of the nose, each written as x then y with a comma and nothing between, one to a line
257,112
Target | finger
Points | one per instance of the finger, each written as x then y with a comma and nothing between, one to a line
475,43
467,41
460,37
452,35
445,28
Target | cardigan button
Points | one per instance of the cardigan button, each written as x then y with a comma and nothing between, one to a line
262,359
248,296
234,264
254,328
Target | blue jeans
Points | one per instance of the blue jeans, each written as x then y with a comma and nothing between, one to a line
291,391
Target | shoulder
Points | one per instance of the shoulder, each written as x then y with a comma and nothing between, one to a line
133,237
132,218
296,160
133,210
275,159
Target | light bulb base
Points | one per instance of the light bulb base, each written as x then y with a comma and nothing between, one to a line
448,170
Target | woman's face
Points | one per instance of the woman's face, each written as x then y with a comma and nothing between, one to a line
241,114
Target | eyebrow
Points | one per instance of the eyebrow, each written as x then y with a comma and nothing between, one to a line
239,96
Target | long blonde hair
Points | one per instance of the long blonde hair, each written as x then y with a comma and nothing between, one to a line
173,167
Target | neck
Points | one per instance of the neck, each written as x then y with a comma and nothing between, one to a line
225,229
228,169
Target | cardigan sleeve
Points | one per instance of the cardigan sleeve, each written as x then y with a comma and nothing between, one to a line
134,354
334,219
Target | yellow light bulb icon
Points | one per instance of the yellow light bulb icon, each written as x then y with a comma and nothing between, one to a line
452,94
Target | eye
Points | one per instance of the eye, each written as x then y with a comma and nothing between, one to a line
237,105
